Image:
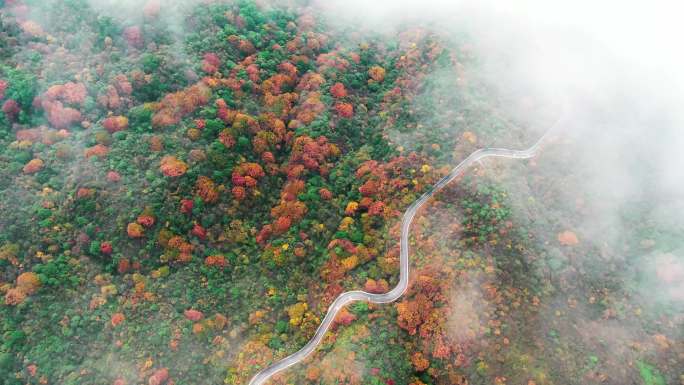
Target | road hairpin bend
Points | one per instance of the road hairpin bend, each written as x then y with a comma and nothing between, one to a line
394,294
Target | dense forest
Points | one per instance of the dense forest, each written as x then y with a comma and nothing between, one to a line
184,190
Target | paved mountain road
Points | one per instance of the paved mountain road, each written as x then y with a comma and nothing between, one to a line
394,294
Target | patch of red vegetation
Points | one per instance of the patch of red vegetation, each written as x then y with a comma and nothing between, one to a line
567,238
113,176
117,318
172,167
123,266
325,194
193,315
186,206
106,248
145,220
115,123
216,261
239,193
338,90
133,36
345,110
210,63
199,231
98,150
159,377
3,88
11,109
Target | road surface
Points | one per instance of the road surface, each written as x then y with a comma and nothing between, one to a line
394,294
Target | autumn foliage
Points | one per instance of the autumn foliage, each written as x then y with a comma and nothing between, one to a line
416,313
179,249
26,284
245,176
568,238
159,377
115,123
282,133
3,88
98,150
186,206
206,189
117,318
239,192
345,110
59,116
226,138
210,63
172,167
133,35
310,108
377,73
11,109
216,261
179,104
312,154
71,93
53,103
193,315
33,166
113,176
199,231
338,90
135,230
145,220
106,248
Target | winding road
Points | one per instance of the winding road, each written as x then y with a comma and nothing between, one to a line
394,294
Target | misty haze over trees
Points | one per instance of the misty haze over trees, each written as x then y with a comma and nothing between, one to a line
185,188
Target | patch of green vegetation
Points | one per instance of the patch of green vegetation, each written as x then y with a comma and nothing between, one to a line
650,374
